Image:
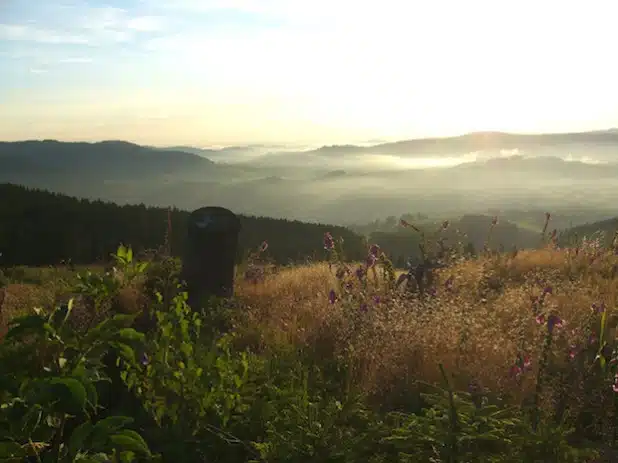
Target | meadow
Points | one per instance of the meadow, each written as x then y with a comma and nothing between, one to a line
500,357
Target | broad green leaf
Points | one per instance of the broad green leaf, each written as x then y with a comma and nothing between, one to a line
107,426
72,392
130,334
78,438
130,440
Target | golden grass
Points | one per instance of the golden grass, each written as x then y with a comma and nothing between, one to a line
476,330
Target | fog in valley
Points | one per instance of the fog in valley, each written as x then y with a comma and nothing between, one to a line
573,175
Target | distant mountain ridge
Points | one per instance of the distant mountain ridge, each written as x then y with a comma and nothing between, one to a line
476,141
105,158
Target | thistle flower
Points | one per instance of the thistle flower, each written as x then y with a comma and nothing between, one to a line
371,260
540,319
360,272
332,296
364,307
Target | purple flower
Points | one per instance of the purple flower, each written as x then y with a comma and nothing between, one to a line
371,260
332,296
554,321
363,307
360,272
376,299
548,290
540,319
144,360
448,284
598,308
329,242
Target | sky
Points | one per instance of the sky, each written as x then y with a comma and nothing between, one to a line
203,72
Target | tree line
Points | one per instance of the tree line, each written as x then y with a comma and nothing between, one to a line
39,228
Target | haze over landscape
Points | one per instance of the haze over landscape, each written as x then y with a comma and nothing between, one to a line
343,112
420,258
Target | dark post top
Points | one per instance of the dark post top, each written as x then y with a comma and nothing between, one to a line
214,219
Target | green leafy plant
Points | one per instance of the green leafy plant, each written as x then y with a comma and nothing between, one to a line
48,390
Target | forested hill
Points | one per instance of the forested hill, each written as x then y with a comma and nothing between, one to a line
42,228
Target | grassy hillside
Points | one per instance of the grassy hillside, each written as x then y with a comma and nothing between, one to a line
503,357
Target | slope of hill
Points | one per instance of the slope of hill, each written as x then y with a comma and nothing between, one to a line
111,159
42,228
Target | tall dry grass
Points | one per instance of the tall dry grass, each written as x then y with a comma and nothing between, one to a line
477,323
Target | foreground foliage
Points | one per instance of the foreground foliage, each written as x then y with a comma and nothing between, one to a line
166,383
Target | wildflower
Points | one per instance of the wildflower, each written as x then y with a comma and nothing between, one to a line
376,299
573,351
144,360
615,386
448,284
374,250
332,296
548,290
264,246
363,307
540,319
329,242
371,260
598,308
515,371
554,321
527,363
360,272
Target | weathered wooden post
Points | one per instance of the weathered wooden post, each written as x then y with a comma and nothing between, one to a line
210,254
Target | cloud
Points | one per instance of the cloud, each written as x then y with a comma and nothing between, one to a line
79,24
28,33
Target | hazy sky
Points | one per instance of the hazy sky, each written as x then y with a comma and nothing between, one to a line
234,71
